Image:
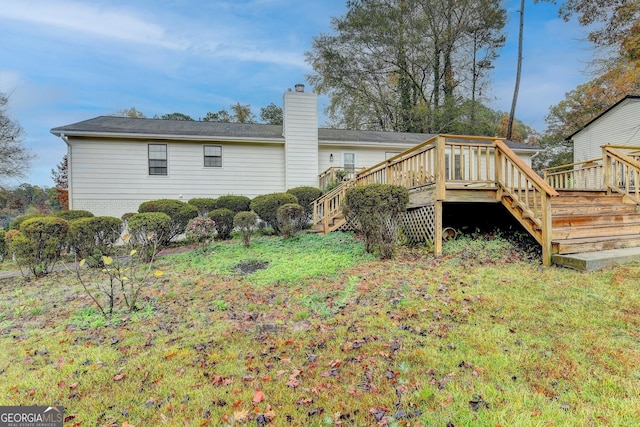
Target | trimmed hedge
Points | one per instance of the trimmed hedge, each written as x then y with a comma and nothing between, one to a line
266,206
291,219
179,212
306,196
149,231
235,203
374,210
224,222
15,225
73,214
93,237
39,244
203,204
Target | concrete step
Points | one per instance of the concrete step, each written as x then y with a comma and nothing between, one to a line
590,261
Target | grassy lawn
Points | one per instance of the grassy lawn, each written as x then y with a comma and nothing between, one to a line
314,332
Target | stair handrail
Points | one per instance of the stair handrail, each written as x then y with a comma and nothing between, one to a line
322,211
525,195
627,177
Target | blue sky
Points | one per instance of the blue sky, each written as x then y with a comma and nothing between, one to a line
65,61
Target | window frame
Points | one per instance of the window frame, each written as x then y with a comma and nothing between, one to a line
151,159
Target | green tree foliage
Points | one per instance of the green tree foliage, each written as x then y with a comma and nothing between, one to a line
130,112
176,116
39,244
3,246
406,65
374,211
271,114
14,156
266,206
60,176
233,202
224,222
239,114
245,222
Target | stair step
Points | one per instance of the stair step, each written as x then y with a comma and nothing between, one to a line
595,220
613,230
578,245
572,200
588,209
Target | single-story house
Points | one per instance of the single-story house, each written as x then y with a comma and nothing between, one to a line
617,125
116,163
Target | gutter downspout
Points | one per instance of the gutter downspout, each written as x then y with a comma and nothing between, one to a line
69,169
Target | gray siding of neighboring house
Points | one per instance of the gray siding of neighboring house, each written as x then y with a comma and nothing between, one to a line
111,177
301,139
619,126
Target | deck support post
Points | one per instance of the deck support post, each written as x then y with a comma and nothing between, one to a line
441,192
546,230
325,219
437,233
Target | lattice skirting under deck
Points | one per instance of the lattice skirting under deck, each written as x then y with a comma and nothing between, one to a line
419,224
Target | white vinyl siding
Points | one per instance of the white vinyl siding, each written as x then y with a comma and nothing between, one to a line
111,177
619,126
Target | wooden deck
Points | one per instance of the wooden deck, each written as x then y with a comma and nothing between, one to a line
592,207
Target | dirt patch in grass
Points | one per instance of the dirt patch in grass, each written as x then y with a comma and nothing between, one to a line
250,267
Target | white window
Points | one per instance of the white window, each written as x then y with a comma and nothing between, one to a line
213,156
349,162
158,159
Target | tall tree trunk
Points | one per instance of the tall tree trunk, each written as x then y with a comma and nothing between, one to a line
518,73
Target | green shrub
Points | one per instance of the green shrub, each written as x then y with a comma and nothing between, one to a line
148,231
15,225
235,203
73,214
291,219
125,218
245,222
266,206
224,222
3,246
203,204
92,238
374,210
306,196
39,245
180,213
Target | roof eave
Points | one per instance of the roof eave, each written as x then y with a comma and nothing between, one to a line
166,137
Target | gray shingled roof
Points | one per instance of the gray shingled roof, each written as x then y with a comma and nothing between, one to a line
111,125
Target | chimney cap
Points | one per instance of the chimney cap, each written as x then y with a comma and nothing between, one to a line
299,87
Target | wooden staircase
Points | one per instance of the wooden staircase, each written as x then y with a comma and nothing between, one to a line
593,221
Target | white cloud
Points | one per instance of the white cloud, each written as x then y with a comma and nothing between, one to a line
119,24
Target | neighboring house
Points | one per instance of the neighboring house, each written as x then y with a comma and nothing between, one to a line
617,125
116,163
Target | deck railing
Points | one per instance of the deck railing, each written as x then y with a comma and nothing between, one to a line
451,161
333,176
618,170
